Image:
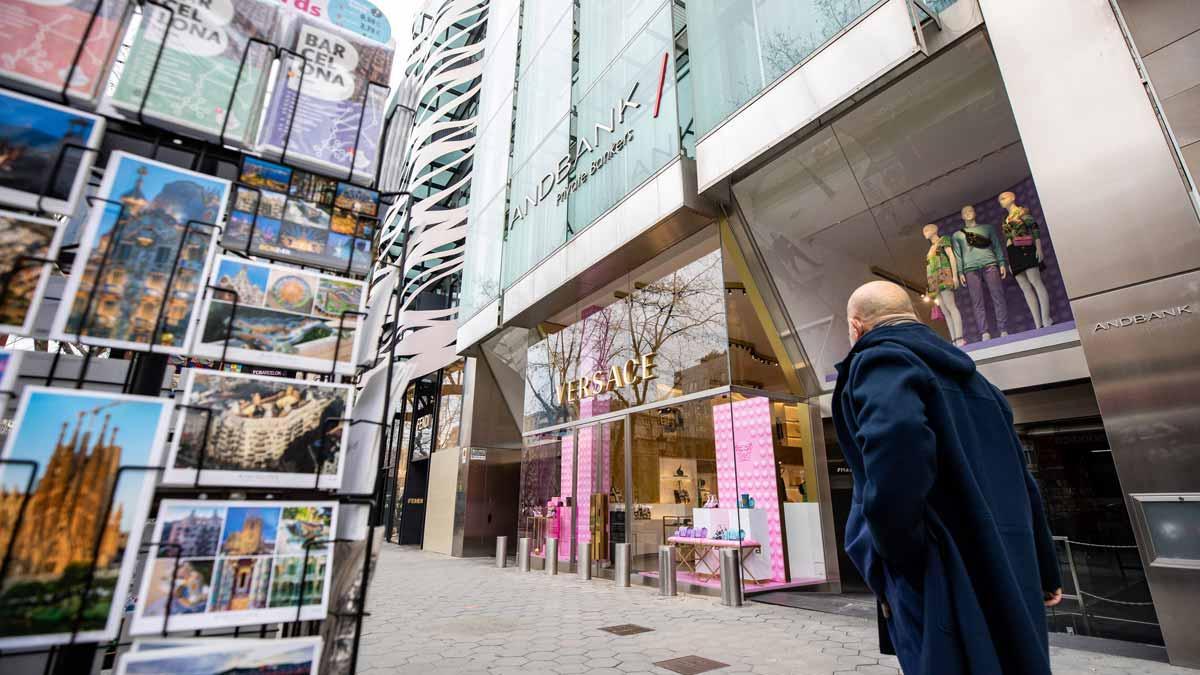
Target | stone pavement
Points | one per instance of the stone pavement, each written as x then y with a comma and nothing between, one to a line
434,615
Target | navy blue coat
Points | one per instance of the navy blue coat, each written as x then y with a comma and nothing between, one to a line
946,523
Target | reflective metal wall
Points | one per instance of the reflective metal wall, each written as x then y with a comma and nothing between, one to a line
1129,242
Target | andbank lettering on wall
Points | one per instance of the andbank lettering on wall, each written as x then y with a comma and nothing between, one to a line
599,144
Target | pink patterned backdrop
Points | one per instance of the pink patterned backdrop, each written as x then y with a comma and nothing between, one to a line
743,433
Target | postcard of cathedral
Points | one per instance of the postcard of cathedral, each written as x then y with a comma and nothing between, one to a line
154,225
236,563
280,316
255,431
82,514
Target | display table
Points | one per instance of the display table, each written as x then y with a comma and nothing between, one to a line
694,555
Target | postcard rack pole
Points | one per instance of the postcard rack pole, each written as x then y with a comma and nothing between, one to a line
203,451
157,54
362,115
154,545
162,308
115,235
63,94
56,168
337,346
229,327
287,136
237,81
375,516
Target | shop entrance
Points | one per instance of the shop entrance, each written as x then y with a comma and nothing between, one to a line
719,471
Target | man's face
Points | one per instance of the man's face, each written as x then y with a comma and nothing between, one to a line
968,213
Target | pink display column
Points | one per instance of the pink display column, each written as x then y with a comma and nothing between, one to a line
743,432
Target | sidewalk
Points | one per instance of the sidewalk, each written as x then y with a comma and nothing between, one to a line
434,615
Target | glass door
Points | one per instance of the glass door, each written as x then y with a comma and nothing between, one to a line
600,483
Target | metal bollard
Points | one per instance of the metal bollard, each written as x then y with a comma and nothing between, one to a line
501,552
523,554
584,569
551,556
622,565
666,570
731,578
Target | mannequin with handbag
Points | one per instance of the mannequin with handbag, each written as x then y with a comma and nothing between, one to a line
1025,256
941,275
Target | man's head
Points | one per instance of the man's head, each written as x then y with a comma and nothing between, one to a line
1007,199
968,213
874,303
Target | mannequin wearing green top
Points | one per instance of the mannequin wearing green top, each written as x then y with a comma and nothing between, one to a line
981,262
941,276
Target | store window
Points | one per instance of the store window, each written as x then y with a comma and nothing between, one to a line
925,185
663,327
450,406
683,457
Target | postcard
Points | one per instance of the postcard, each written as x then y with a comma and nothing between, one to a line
155,270
79,439
261,431
185,69
283,317
249,565
357,199
297,219
329,106
39,41
294,656
266,175
22,278
45,149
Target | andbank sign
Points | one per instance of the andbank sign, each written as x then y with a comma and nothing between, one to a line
594,148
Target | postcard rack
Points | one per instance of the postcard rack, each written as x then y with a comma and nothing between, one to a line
147,368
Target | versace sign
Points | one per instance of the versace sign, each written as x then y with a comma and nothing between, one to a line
632,372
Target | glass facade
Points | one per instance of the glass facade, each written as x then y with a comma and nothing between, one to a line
739,48
584,138
656,413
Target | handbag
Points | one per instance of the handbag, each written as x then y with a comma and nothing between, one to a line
936,313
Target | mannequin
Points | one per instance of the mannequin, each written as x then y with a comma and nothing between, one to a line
1025,258
981,262
941,273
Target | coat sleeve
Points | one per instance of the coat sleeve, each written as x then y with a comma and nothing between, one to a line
1048,568
899,452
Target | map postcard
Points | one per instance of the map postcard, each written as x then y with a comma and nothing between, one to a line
39,40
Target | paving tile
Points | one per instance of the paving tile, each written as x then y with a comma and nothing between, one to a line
434,615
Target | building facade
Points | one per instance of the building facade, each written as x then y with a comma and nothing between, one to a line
667,206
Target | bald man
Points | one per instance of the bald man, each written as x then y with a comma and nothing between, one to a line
946,523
